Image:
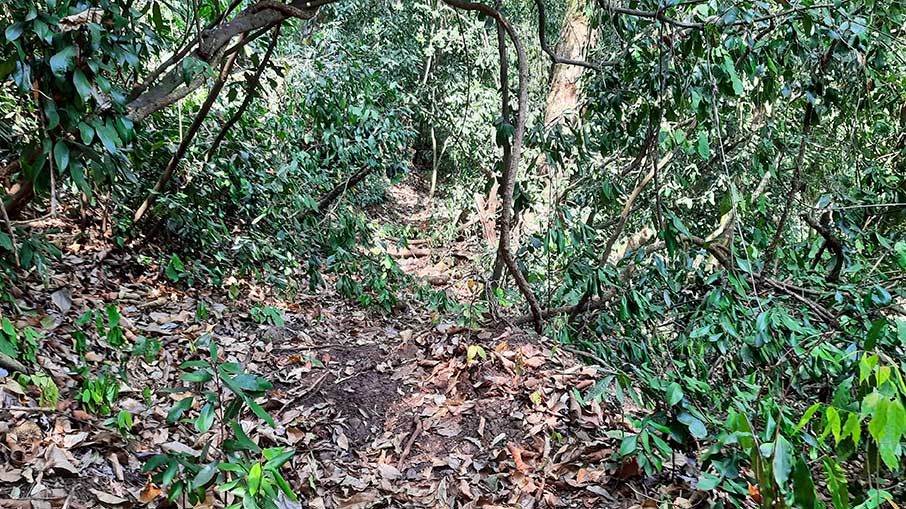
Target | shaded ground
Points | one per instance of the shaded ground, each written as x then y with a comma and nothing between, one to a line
383,410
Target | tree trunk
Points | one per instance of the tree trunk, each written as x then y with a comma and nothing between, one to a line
575,38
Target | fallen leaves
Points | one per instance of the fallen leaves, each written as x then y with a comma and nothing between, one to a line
148,493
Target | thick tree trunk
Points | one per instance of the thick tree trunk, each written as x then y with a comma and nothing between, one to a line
575,38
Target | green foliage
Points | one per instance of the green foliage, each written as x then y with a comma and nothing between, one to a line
23,344
223,393
267,314
122,423
67,63
49,393
99,393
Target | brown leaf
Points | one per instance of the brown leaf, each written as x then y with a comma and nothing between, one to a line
516,453
57,459
755,492
388,471
108,498
149,492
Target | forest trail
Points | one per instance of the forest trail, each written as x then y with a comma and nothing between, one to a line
382,410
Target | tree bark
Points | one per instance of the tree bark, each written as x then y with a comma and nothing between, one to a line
259,16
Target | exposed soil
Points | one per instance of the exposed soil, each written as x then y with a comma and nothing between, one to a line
383,410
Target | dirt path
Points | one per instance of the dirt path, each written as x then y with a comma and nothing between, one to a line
382,410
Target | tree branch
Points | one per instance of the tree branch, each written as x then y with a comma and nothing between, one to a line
250,94
187,139
542,20
510,170
830,242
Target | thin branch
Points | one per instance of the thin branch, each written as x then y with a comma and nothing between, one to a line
12,234
621,223
190,135
830,242
510,170
250,94
542,21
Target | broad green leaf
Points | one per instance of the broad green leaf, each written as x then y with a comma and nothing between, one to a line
853,428
86,132
807,416
833,423
279,459
61,155
82,85
63,61
254,479
14,30
205,418
783,460
242,442
734,76
707,481
204,476
260,412
696,427
674,394
867,366
804,493
108,135
179,408
198,376
703,148
629,445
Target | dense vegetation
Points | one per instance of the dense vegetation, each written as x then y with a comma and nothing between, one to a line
706,197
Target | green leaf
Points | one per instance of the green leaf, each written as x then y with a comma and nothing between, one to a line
836,483
171,471
14,31
674,394
254,479
707,481
260,412
82,85
252,383
63,61
853,428
278,457
205,418
804,493
198,376
154,462
867,366
629,445
284,486
783,460
241,442
179,408
61,155
696,426
108,135
833,423
807,416
889,442
703,148
900,248
204,476
86,132
734,76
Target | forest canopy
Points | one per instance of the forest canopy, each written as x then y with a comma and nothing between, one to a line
704,199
